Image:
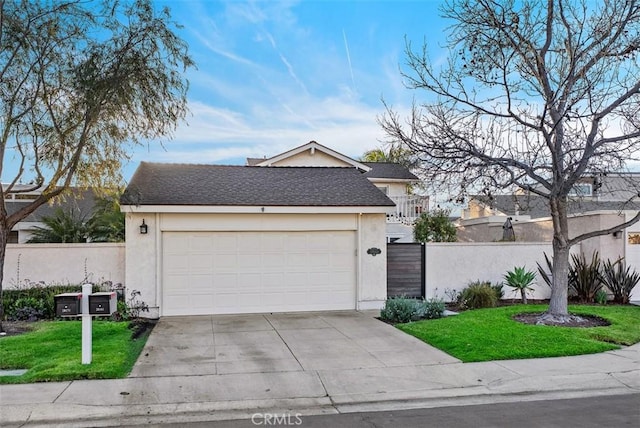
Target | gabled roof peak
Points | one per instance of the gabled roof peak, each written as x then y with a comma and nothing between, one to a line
313,146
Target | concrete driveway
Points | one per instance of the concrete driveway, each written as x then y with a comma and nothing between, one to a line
264,343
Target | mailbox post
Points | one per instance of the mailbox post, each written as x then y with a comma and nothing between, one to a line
86,305
87,333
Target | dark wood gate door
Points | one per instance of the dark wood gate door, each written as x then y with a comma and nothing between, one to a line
405,270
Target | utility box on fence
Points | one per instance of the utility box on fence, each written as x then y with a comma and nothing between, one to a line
104,304
68,304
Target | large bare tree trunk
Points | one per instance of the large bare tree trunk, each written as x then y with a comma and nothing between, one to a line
558,312
558,305
4,234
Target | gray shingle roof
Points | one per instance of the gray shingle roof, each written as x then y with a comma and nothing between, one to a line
389,170
82,202
191,184
537,206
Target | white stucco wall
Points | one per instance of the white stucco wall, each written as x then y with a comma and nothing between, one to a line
64,263
144,252
455,265
142,264
393,188
305,158
372,279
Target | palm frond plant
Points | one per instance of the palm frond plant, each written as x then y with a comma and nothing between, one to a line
61,227
107,222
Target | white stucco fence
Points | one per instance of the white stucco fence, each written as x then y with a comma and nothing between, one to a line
454,265
64,263
448,265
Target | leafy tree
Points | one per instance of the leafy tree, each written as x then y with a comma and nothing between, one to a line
81,82
535,96
62,227
107,222
434,226
395,154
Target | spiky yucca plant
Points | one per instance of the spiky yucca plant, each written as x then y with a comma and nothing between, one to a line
585,279
620,279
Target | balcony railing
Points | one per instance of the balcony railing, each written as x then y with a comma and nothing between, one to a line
408,208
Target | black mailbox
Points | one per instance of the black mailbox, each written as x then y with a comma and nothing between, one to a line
68,304
103,303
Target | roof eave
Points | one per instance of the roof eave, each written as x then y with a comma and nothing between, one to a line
392,180
253,209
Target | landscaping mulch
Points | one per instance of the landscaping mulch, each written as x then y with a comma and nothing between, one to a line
14,328
572,321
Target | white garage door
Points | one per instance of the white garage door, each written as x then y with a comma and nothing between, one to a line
248,272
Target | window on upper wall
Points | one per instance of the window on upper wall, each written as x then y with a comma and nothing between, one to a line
384,189
633,238
581,189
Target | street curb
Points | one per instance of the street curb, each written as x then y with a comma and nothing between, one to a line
49,415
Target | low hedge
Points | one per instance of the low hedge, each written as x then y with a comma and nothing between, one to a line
37,296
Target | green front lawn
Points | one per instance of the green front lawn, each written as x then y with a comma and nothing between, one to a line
491,334
53,352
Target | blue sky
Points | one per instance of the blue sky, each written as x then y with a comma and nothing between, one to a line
273,75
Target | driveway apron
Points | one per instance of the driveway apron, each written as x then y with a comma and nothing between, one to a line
269,343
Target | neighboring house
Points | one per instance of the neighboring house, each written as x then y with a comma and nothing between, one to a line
600,201
210,239
80,201
392,179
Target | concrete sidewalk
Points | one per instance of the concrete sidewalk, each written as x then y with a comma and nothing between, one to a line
171,398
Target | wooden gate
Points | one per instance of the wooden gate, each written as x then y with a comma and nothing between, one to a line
405,270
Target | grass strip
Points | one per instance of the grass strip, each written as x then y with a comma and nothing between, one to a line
492,334
53,352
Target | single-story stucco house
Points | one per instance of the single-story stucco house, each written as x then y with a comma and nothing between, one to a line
249,239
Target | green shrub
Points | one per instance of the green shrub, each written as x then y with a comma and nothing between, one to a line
498,289
478,295
619,280
430,309
403,309
40,296
399,310
601,297
26,309
13,299
434,226
585,279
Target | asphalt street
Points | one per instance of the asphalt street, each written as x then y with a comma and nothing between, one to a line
593,412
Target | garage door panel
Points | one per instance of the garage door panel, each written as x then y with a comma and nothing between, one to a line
243,272
200,262
273,261
177,262
200,244
228,262
247,261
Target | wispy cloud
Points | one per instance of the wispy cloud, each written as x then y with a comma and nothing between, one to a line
346,46
269,80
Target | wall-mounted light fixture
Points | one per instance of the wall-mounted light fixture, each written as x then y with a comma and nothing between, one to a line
143,228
